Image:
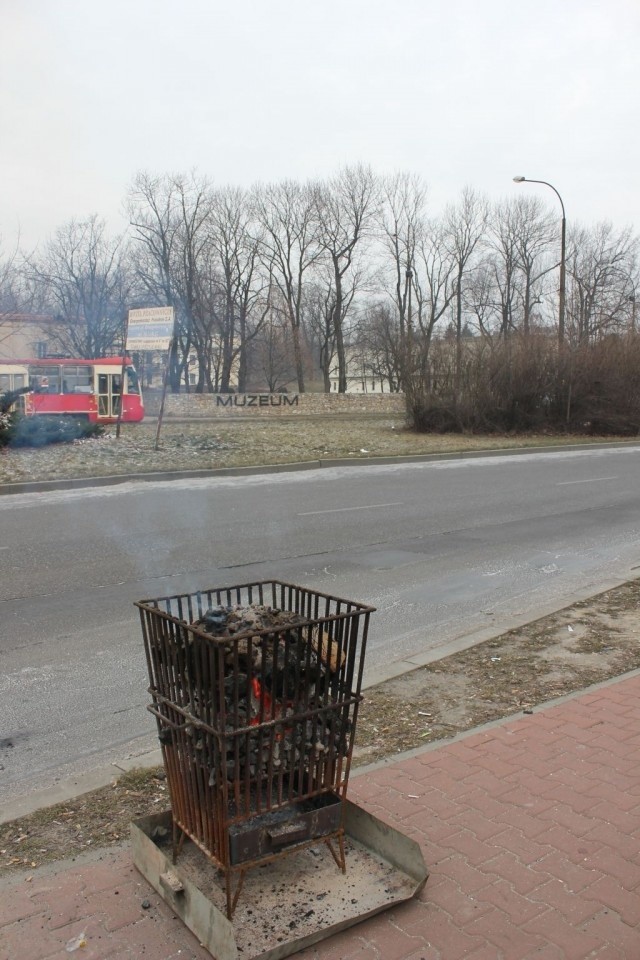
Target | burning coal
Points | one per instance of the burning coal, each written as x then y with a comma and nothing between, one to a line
277,671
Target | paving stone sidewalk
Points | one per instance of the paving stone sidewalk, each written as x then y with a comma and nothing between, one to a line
530,829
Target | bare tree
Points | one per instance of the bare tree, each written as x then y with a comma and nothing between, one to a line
235,241
465,224
13,297
83,275
603,279
170,218
378,332
272,354
289,247
516,261
423,271
534,235
11,292
403,224
200,253
481,298
513,260
502,263
346,210
319,304
435,286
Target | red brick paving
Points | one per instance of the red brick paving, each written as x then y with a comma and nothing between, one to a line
530,830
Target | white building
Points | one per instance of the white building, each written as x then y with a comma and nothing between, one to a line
361,374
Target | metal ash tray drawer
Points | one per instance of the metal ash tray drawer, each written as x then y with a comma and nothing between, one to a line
271,832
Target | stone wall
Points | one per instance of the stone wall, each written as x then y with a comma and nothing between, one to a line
205,405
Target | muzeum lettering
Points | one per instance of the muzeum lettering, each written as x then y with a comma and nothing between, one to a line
256,400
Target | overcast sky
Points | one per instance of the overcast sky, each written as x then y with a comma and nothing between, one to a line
462,92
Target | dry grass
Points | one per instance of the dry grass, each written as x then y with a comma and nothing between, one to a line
97,819
567,651
210,445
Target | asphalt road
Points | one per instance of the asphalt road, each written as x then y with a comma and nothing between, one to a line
448,552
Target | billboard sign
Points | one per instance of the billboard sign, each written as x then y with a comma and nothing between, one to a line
150,328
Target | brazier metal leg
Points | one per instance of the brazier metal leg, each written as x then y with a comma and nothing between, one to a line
232,899
178,842
340,857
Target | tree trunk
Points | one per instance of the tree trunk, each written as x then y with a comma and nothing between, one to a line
297,351
337,329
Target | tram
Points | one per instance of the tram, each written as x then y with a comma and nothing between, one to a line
86,389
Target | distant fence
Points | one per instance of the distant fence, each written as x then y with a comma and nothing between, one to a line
206,405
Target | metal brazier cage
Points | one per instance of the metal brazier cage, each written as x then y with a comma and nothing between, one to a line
255,689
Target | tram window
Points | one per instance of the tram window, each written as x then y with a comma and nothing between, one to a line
103,383
12,381
77,379
45,378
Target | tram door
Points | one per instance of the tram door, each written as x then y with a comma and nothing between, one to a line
108,395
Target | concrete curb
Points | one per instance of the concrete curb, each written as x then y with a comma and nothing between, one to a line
41,486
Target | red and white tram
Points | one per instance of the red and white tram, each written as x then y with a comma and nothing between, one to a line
89,389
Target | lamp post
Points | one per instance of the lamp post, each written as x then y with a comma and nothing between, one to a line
563,248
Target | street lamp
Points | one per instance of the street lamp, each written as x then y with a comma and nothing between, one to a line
563,247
